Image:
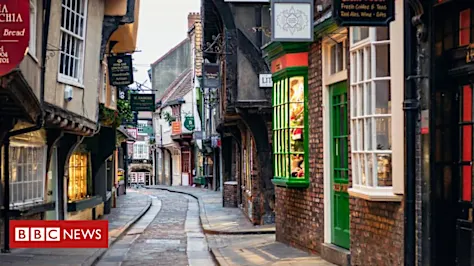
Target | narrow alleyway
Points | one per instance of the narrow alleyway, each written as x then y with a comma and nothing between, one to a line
169,234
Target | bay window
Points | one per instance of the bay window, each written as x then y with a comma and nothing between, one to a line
371,111
290,131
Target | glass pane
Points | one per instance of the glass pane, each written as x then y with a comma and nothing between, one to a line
370,167
368,129
361,135
362,64
368,99
464,24
359,33
384,170
353,101
363,180
355,169
383,128
368,55
382,33
354,62
297,166
360,100
382,60
383,97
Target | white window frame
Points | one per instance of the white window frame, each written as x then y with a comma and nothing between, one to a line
81,40
370,189
103,95
17,198
33,23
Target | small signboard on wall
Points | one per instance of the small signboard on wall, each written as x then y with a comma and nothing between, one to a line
265,80
142,102
368,13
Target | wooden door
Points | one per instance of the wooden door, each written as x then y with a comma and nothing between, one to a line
339,165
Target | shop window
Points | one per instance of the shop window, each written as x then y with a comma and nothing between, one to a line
337,57
27,173
371,119
73,33
290,131
78,177
465,27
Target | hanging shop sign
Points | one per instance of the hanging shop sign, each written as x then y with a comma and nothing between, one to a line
368,13
292,20
189,123
123,93
15,33
211,75
176,128
265,80
120,70
142,102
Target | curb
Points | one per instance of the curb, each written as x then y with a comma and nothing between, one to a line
98,254
203,217
218,257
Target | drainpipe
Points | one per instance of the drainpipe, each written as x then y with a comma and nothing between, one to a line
44,47
411,105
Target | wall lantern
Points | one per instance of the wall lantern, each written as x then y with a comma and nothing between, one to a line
292,20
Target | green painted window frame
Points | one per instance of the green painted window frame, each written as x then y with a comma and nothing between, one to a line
281,129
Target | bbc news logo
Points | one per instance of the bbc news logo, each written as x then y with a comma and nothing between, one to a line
59,234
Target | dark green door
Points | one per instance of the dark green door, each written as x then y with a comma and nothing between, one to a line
339,165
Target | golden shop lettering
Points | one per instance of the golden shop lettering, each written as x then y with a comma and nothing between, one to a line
7,17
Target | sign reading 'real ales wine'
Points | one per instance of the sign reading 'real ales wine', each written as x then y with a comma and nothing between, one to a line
368,13
14,33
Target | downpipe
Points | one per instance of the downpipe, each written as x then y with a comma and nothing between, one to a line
411,106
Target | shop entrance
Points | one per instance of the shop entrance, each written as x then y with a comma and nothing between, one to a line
452,183
339,165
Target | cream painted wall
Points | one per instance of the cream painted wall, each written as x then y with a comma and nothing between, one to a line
85,97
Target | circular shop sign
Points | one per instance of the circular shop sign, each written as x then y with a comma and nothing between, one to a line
14,33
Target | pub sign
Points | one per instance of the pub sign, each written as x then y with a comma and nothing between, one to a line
142,102
120,70
365,13
211,75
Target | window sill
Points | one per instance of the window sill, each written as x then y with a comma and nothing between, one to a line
65,80
291,183
84,204
375,195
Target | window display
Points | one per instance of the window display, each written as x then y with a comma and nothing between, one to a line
289,128
77,186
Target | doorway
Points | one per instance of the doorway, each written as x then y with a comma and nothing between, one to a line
339,164
452,179
52,191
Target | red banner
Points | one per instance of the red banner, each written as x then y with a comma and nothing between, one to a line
14,33
59,234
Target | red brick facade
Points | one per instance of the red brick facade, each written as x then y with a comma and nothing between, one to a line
302,210
376,228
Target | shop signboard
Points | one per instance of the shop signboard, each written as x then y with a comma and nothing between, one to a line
15,33
120,70
211,75
265,81
292,20
176,128
189,123
363,13
142,102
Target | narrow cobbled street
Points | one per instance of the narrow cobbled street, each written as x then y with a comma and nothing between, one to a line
168,234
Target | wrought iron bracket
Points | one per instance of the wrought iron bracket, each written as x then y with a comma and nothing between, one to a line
218,46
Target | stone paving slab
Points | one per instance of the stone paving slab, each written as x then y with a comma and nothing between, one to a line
272,253
130,208
215,218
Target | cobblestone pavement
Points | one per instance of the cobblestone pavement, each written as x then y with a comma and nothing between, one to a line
169,235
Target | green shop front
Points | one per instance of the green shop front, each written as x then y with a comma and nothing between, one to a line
289,65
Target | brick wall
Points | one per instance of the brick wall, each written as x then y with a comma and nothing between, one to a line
230,194
302,210
376,233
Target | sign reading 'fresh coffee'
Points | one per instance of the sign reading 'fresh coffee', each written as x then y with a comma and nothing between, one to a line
369,13
120,70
